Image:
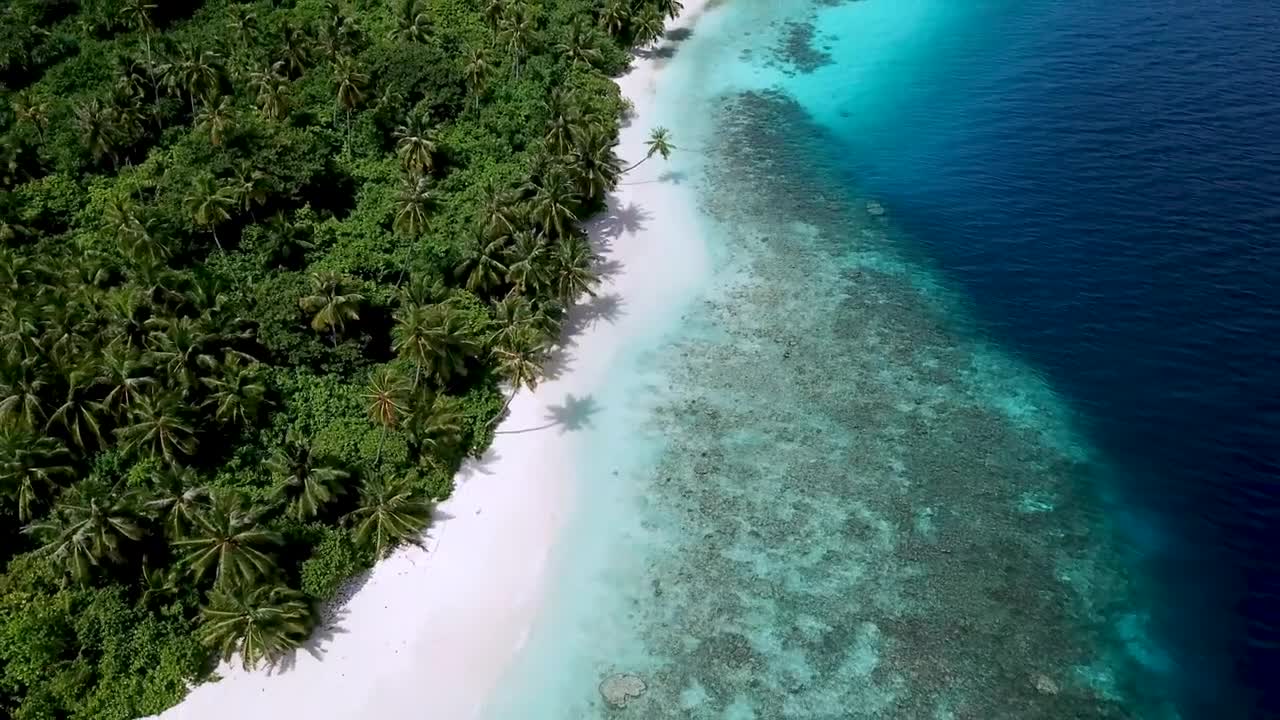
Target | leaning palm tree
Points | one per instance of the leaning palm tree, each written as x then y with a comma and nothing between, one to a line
157,428
260,624
87,528
520,359
30,468
305,483
215,119
391,511
416,144
209,204
229,541
659,143
386,399
412,203
331,308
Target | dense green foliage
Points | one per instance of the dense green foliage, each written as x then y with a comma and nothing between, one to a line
263,266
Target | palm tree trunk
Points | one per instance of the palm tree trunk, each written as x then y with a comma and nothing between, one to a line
214,230
501,413
381,439
633,167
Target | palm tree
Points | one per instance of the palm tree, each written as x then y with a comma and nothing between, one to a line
200,75
30,468
525,269
305,483
670,8
391,511
553,201
157,427
244,23
412,204
180,347
482,264
515,33
21,403
416,144
236,395
616,16
252,187
498,212
649,27
124,377
209,204
330,307
272,91
87,527
595,163
573,261
512,315
228,540
176,500
261,624
494,11
659,143
34,111
434,424
477,72
387,402
98,129
295,48
215,119
411,25
78,415
350,84
565,124
521,361
578,47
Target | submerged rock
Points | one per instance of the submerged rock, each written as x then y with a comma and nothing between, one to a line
618,690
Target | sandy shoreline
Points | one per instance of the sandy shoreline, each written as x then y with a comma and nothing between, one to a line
430,634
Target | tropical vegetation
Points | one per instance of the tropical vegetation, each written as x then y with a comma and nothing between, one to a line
269,271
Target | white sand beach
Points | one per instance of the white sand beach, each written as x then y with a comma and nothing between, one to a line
430,631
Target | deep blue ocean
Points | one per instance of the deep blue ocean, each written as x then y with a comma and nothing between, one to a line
976,414
1103,180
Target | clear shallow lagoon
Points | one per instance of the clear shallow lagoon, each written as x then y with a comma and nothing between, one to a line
974,416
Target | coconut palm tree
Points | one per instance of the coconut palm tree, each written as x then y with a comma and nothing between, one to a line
670,8
579,47
350,83
330,307
243,22
251,187
176,500
494,11
573,267
616,16
295,48
260,624
477,73
124,377
649,27
200,75
271,88
412,203
305,483
416,144
411,25
595,163
516,33
237,394
498,213
88,526
482,262
387,400
21,396
391,511
659,143
99,130
553,202
180,347
215,119
521,361
30,468
512,315
32,110
229,541
209,204
434,425
78,415
156,427
566,122
526,270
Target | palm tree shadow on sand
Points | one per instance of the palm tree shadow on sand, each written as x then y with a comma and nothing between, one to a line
618,221
571,415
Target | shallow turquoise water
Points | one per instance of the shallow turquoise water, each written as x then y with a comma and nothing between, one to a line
820,490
